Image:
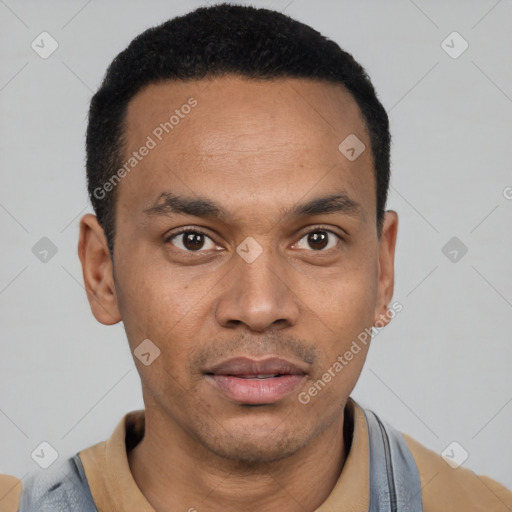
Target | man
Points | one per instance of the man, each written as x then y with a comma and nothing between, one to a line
238,166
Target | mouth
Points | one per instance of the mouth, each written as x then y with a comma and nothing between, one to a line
249,381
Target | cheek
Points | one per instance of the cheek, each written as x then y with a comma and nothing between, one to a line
167,307
347,315
152,295
345,302
345,307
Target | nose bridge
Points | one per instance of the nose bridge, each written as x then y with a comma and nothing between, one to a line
258,270
258,294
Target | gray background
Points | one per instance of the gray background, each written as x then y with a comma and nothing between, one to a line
439,372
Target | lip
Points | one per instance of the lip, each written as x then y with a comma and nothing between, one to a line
244,366
236,379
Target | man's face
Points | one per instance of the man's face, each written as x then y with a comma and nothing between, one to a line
262,279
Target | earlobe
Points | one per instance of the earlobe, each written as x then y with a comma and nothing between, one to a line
386,282
97,271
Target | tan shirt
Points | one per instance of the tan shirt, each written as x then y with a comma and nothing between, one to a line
443,489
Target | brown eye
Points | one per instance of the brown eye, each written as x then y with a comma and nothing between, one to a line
318,240
191,241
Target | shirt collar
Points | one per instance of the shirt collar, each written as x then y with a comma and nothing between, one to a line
114,488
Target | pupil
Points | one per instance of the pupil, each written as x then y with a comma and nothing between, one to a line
318,239
193,241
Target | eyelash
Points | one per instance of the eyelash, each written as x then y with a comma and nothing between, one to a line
200,232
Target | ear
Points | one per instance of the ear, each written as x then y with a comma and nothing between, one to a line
97,271
386,282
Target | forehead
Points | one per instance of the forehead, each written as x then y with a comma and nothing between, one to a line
322,107
259,137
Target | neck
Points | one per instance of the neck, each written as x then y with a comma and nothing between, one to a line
174,472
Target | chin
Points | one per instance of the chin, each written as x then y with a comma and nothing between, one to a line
254,443
252,452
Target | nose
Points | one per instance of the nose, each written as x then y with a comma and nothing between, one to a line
258,295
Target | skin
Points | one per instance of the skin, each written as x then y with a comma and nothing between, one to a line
256,148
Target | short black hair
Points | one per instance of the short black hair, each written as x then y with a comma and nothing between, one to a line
215,41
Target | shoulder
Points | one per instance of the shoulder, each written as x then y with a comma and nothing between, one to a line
63,487
10,491
451,490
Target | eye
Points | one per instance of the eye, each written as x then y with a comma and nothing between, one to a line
191,240
319,239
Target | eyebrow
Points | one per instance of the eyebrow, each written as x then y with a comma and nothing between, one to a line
169,204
